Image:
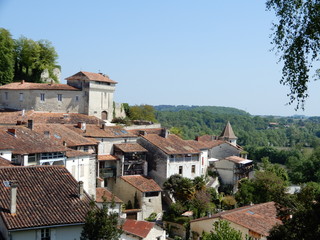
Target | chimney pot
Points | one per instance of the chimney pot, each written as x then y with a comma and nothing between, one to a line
22,81
80,189
13,196
64,143
30,124
82,126
12,131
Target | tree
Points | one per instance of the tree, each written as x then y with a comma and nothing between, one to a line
6,57
181,188
101,224
142,112
296,36
222,231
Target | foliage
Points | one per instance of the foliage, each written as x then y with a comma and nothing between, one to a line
6,57
181,188
201,204
296,36
228,202
152,217
100,224
213,109
142,112
222,231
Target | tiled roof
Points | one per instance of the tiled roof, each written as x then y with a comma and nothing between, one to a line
89,76
44,117
130,147
46,195
259,218
215,143
60,133
107,158
37,86
205,138
74,153
198,145
137,228
4,162
237,159
103,193
171,144
95,131
142,183
146,130
26,141
228,132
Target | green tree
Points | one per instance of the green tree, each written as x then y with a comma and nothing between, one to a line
101,224
142,112
222,231
296,36
6,57
181,188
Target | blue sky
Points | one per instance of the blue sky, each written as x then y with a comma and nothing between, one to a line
177,52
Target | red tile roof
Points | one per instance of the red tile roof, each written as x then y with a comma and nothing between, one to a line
146,130
103,193
26,141
171,144
137,228
74,153
46,195
130,147
37,86
142,183
198,145
4,162
89,76
259,218
107,158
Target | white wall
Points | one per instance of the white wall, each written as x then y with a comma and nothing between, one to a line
6,154
225,169
105,146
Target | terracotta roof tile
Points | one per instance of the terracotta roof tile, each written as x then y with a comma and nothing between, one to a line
138,228
102,193
259,218
130,147
146,130
89,76
74,153
107,158
46,195
26,141
228,132
171,144
142,183
37,86
198,145
5,162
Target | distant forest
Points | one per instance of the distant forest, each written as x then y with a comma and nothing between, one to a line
192,121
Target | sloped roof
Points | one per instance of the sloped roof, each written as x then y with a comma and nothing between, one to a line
146,130
259,218
46,195
237,159
142,183
172,144
5,162
75,153
130,147
228,132
95,131
103,193
137,228
89,76
45,117
198,145
37,86
27,141
107,158
60,133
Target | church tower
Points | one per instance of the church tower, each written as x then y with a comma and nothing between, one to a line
228,134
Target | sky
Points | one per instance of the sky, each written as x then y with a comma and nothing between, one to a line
173,52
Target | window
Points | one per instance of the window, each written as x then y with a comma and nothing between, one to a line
45,234
180,170
77,98
193,169
81,170
31,159
42,98
85,148
60,97
6,96
20,97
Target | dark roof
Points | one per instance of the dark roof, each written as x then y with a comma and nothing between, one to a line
130,147
259,218
43,117
60,133
172,144
46,195
137,228
26,141
227,132
37,86
142,183
102,193
89,76
95,131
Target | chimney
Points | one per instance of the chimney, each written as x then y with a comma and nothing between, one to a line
13,196
30,124
165,133
22,81
82,126
47,134
12,131
142,133
80,189
19,122
64,143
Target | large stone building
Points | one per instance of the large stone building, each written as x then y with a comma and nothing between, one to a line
85,92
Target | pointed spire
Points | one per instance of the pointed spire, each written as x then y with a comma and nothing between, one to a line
228,134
